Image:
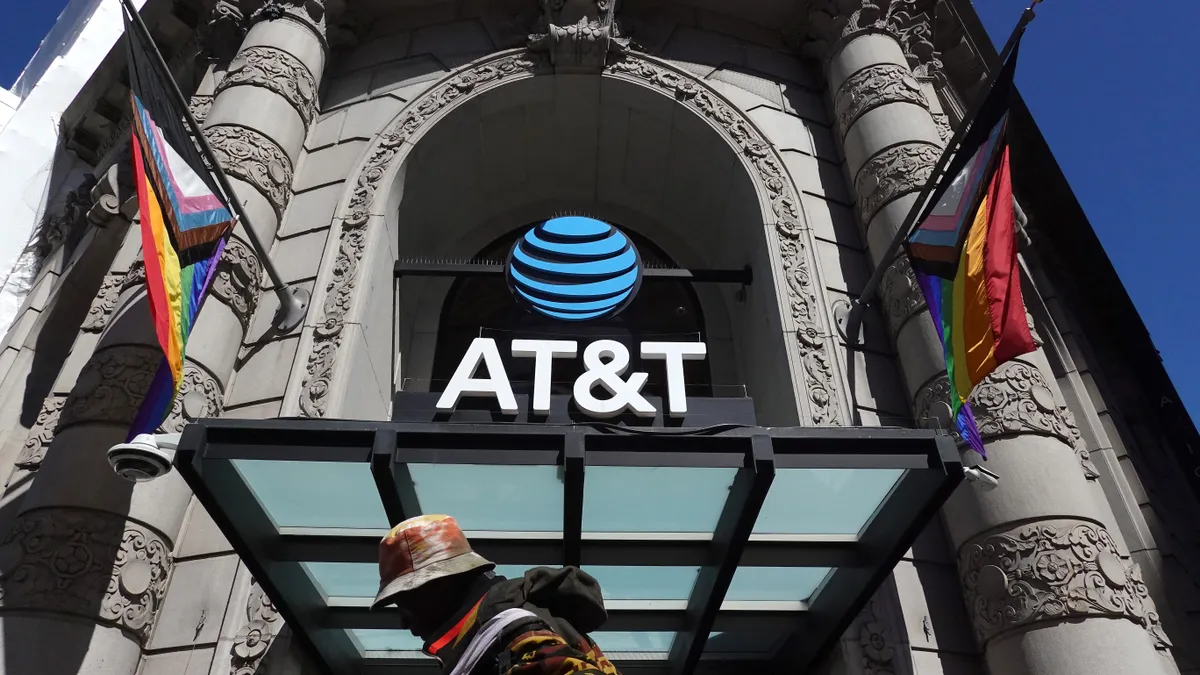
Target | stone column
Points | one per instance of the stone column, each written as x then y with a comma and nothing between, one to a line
1049,590
86,565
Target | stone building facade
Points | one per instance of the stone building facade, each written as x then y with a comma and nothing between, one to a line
790,136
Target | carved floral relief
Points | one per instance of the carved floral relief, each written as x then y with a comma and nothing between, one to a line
819,374
1052,571
87,563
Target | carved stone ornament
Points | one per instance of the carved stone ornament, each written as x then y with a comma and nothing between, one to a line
893,173
901,294
112,385
309,13
136,276
876,641
255,636
327,336
250,156
200,396
236,281
104,304
873,87
199,106
795,244
942,122
829,22
796,247
86,563
223,33
41,435
1053,571
579,35
1037,339
277,70
55,227
1013,399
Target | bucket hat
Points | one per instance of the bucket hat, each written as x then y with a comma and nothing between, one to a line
420,550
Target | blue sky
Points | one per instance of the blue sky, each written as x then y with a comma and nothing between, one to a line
25,24
1114,92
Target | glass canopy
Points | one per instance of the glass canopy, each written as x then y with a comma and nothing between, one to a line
728,550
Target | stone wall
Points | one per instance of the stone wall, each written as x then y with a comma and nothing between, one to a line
296,108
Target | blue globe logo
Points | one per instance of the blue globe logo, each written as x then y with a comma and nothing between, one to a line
574,269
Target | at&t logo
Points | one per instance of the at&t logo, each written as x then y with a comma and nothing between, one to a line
574,269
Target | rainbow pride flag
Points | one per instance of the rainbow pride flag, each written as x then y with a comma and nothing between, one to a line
184,223
964,253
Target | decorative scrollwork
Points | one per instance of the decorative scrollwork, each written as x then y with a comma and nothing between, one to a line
876,642
327,336
112,385
795,243
278,71
87,563
255,636
199,105
829,22
200,396
901,294
1051,571
136,276
37,443
873,87
249,155
796,248
223,33
236,281
1013,399
309,13
893,173
578,35
104,304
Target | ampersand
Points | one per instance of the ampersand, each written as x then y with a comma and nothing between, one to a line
626,394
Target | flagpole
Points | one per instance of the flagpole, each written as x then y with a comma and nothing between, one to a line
850,319
292,301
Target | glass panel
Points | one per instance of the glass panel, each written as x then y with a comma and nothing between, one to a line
763,643
611,642
775,583
654,499
492,497
382,640
644,583
315,494
824,501
361,580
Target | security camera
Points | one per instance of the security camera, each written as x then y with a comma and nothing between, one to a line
145,458
986,480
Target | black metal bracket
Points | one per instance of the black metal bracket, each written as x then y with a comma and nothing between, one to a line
468,268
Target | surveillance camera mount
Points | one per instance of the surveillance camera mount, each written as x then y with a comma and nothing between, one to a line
144,458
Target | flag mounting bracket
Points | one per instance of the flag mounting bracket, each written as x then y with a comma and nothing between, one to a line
293,300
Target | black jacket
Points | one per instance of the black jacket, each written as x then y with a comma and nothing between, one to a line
568,605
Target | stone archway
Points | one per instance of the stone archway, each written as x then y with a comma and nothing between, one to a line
373,195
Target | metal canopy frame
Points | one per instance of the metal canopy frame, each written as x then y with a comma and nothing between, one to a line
861,562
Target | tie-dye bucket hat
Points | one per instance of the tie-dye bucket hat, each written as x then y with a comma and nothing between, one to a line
420,550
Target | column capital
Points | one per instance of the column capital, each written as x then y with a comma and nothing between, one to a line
226,28
832,22
312,14
1053,570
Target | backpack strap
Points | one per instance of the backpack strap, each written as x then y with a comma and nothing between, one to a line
487,637
512,631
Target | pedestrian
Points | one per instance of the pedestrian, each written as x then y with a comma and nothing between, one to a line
474,621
